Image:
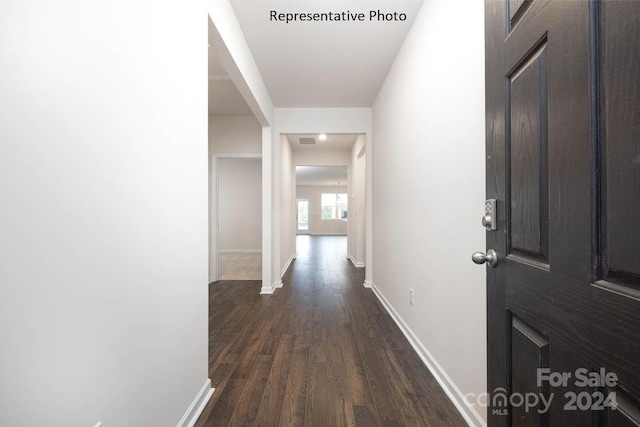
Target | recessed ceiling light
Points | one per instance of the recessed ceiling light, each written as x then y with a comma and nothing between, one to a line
322,137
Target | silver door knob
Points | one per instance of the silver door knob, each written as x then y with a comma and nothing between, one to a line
487,222
480,258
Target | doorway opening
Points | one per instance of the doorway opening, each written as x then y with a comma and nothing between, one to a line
302,216
239,218
235,176
327,191
322,200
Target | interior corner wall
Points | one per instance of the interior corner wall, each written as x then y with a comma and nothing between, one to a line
357,206
240,209
429,186
103,255
287,205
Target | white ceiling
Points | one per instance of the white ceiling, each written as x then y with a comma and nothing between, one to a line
323,64
322,175
333,142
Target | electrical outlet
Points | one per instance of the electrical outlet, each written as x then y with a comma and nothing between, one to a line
412,295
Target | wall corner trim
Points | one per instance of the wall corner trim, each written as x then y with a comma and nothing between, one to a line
470,415
268,290
368,284
277,284
286,267
357,264
197,406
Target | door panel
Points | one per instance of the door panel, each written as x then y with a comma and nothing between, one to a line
621,205
563,161
528,111
529,352
517,9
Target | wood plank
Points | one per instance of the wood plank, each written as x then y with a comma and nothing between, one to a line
247,408
309,353
294,400
366,416
381,392
270,406
321,403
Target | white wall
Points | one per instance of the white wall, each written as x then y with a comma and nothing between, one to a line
235,134
287,205
428,133
240,208
317,225
103,177
357,206
321,158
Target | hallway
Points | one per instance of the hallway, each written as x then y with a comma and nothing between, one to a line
321,351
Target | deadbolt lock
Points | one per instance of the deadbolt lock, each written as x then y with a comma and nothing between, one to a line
489,218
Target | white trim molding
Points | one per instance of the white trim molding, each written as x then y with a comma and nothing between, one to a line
268,290
197,406
240,251
471,416
286,267
278,284
358,264
367,284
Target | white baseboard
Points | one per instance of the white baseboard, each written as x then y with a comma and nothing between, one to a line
277,284
470,415
240,251
268,290
354,262
197,406
286,266
367,284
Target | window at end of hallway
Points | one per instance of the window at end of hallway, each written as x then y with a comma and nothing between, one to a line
334,205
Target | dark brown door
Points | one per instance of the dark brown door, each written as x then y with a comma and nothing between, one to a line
563,162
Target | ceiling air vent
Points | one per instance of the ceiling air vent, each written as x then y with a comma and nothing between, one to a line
307,140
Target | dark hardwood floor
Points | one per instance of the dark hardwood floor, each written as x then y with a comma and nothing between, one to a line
321,351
